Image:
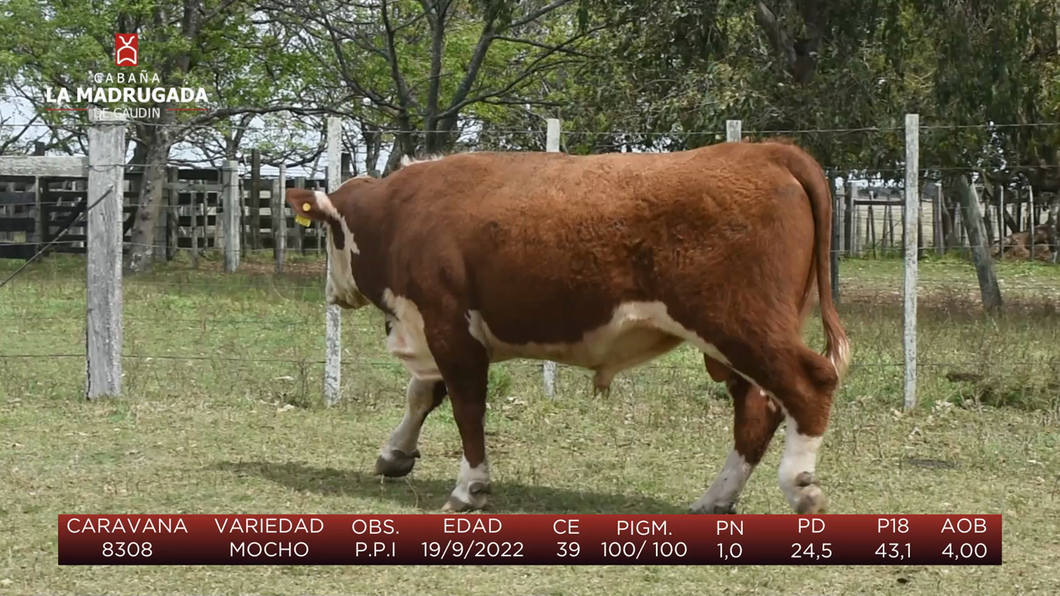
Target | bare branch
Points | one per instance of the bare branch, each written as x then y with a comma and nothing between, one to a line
530,70
14,139
544,46
533,16
477,57
395,71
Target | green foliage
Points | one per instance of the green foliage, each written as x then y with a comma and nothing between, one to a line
622,74
61,45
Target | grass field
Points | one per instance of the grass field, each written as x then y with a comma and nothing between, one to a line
222,414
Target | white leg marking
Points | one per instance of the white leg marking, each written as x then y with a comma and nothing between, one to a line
470,486
800,455
418,399
723,493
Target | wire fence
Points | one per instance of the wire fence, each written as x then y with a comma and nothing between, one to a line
197,329
257,338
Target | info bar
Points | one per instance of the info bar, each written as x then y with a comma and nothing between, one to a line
530,539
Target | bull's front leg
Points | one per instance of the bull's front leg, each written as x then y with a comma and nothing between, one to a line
399,453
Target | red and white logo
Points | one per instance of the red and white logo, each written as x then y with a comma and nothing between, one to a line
126,49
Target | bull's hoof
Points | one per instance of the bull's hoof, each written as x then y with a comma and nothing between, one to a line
700,507
808,496
474,499
396,463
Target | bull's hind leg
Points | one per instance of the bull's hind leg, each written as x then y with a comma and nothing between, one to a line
399,453
755,421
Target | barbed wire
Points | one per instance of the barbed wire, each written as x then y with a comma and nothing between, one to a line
517,131
524,363
922,170
890,244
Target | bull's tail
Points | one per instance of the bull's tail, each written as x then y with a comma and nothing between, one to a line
809,173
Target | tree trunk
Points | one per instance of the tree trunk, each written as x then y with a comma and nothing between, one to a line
984,264
373,142
394,160
142,235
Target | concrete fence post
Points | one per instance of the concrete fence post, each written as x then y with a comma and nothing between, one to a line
333,316
912,216
733,130
104,201
552,134
232,212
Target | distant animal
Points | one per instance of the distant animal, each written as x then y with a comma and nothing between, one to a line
603,262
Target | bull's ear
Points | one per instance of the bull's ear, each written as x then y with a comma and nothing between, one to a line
310,205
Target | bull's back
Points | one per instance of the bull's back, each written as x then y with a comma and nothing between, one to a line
550,245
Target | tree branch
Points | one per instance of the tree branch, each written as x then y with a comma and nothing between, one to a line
543,46
437,49
14,139
531,69
778,38
533,16
477,57
395,71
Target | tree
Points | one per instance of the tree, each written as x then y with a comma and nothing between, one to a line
213,44
421,65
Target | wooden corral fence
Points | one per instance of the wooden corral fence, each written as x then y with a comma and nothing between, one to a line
871,222
39,198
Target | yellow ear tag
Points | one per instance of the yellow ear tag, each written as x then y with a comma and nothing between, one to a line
301,218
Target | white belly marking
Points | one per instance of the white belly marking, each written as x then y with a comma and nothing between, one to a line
637,333
406,341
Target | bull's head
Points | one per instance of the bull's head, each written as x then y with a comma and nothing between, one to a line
310,206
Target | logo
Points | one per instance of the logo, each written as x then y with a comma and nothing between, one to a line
126,49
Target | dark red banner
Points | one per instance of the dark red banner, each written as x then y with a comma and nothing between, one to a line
594,539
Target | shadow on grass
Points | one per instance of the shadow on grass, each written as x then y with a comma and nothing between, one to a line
429,495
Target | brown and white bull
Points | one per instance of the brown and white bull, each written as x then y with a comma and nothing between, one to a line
603,262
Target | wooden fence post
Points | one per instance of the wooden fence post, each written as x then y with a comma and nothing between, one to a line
1001,219
836,236
912,214
106,185
1030,226
278,211
254,200
36,238
939,238
172,213
850,222
333,316
299,231
347,166
549,370
231,215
